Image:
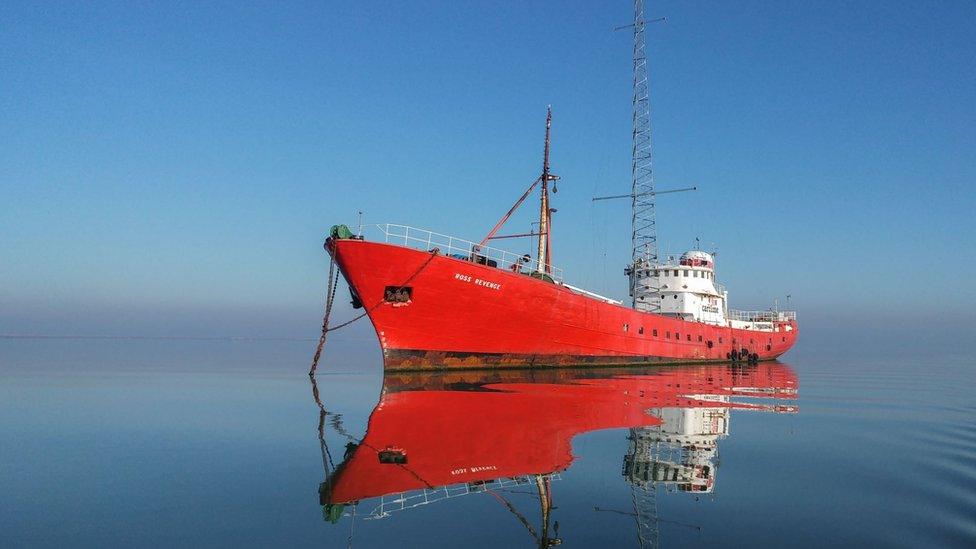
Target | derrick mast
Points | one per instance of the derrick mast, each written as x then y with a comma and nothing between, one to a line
545,213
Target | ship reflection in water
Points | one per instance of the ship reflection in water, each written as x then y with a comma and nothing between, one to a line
437,436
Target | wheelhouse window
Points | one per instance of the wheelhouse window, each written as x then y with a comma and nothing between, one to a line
654,332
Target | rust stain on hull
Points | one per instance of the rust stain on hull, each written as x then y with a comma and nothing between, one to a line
418,360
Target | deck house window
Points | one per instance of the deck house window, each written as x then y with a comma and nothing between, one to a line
655,332
686,272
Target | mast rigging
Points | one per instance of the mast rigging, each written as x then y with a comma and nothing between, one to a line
544,246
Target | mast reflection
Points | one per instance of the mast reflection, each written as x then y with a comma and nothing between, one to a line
437,436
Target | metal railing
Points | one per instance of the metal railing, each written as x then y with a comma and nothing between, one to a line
761,316
422,239
402,501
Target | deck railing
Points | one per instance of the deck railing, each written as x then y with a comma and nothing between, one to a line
402,501
459,248
761,316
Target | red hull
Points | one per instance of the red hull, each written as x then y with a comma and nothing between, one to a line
507,424
465,315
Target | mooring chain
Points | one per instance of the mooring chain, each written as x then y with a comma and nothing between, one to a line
329,299
333,283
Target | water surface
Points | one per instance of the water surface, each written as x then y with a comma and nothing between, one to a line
111,443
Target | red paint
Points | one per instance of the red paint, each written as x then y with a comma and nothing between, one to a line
459,427
462,314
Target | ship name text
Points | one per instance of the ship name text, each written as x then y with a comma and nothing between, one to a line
478,281
477,469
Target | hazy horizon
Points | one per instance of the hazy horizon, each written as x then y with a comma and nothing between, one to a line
172,171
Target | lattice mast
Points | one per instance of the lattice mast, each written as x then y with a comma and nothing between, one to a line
638,470
643,226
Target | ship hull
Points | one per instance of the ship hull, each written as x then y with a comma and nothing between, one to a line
462,314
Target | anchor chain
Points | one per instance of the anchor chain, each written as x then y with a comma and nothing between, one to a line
330,298
333,283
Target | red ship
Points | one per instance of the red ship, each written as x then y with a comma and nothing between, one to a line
433,310
438,301
510,428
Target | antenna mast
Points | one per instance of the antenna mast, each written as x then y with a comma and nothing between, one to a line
643,227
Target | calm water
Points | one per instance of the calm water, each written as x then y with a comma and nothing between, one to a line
112,443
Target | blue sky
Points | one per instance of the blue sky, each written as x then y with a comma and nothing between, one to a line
173,168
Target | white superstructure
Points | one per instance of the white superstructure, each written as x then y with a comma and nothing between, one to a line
687,289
